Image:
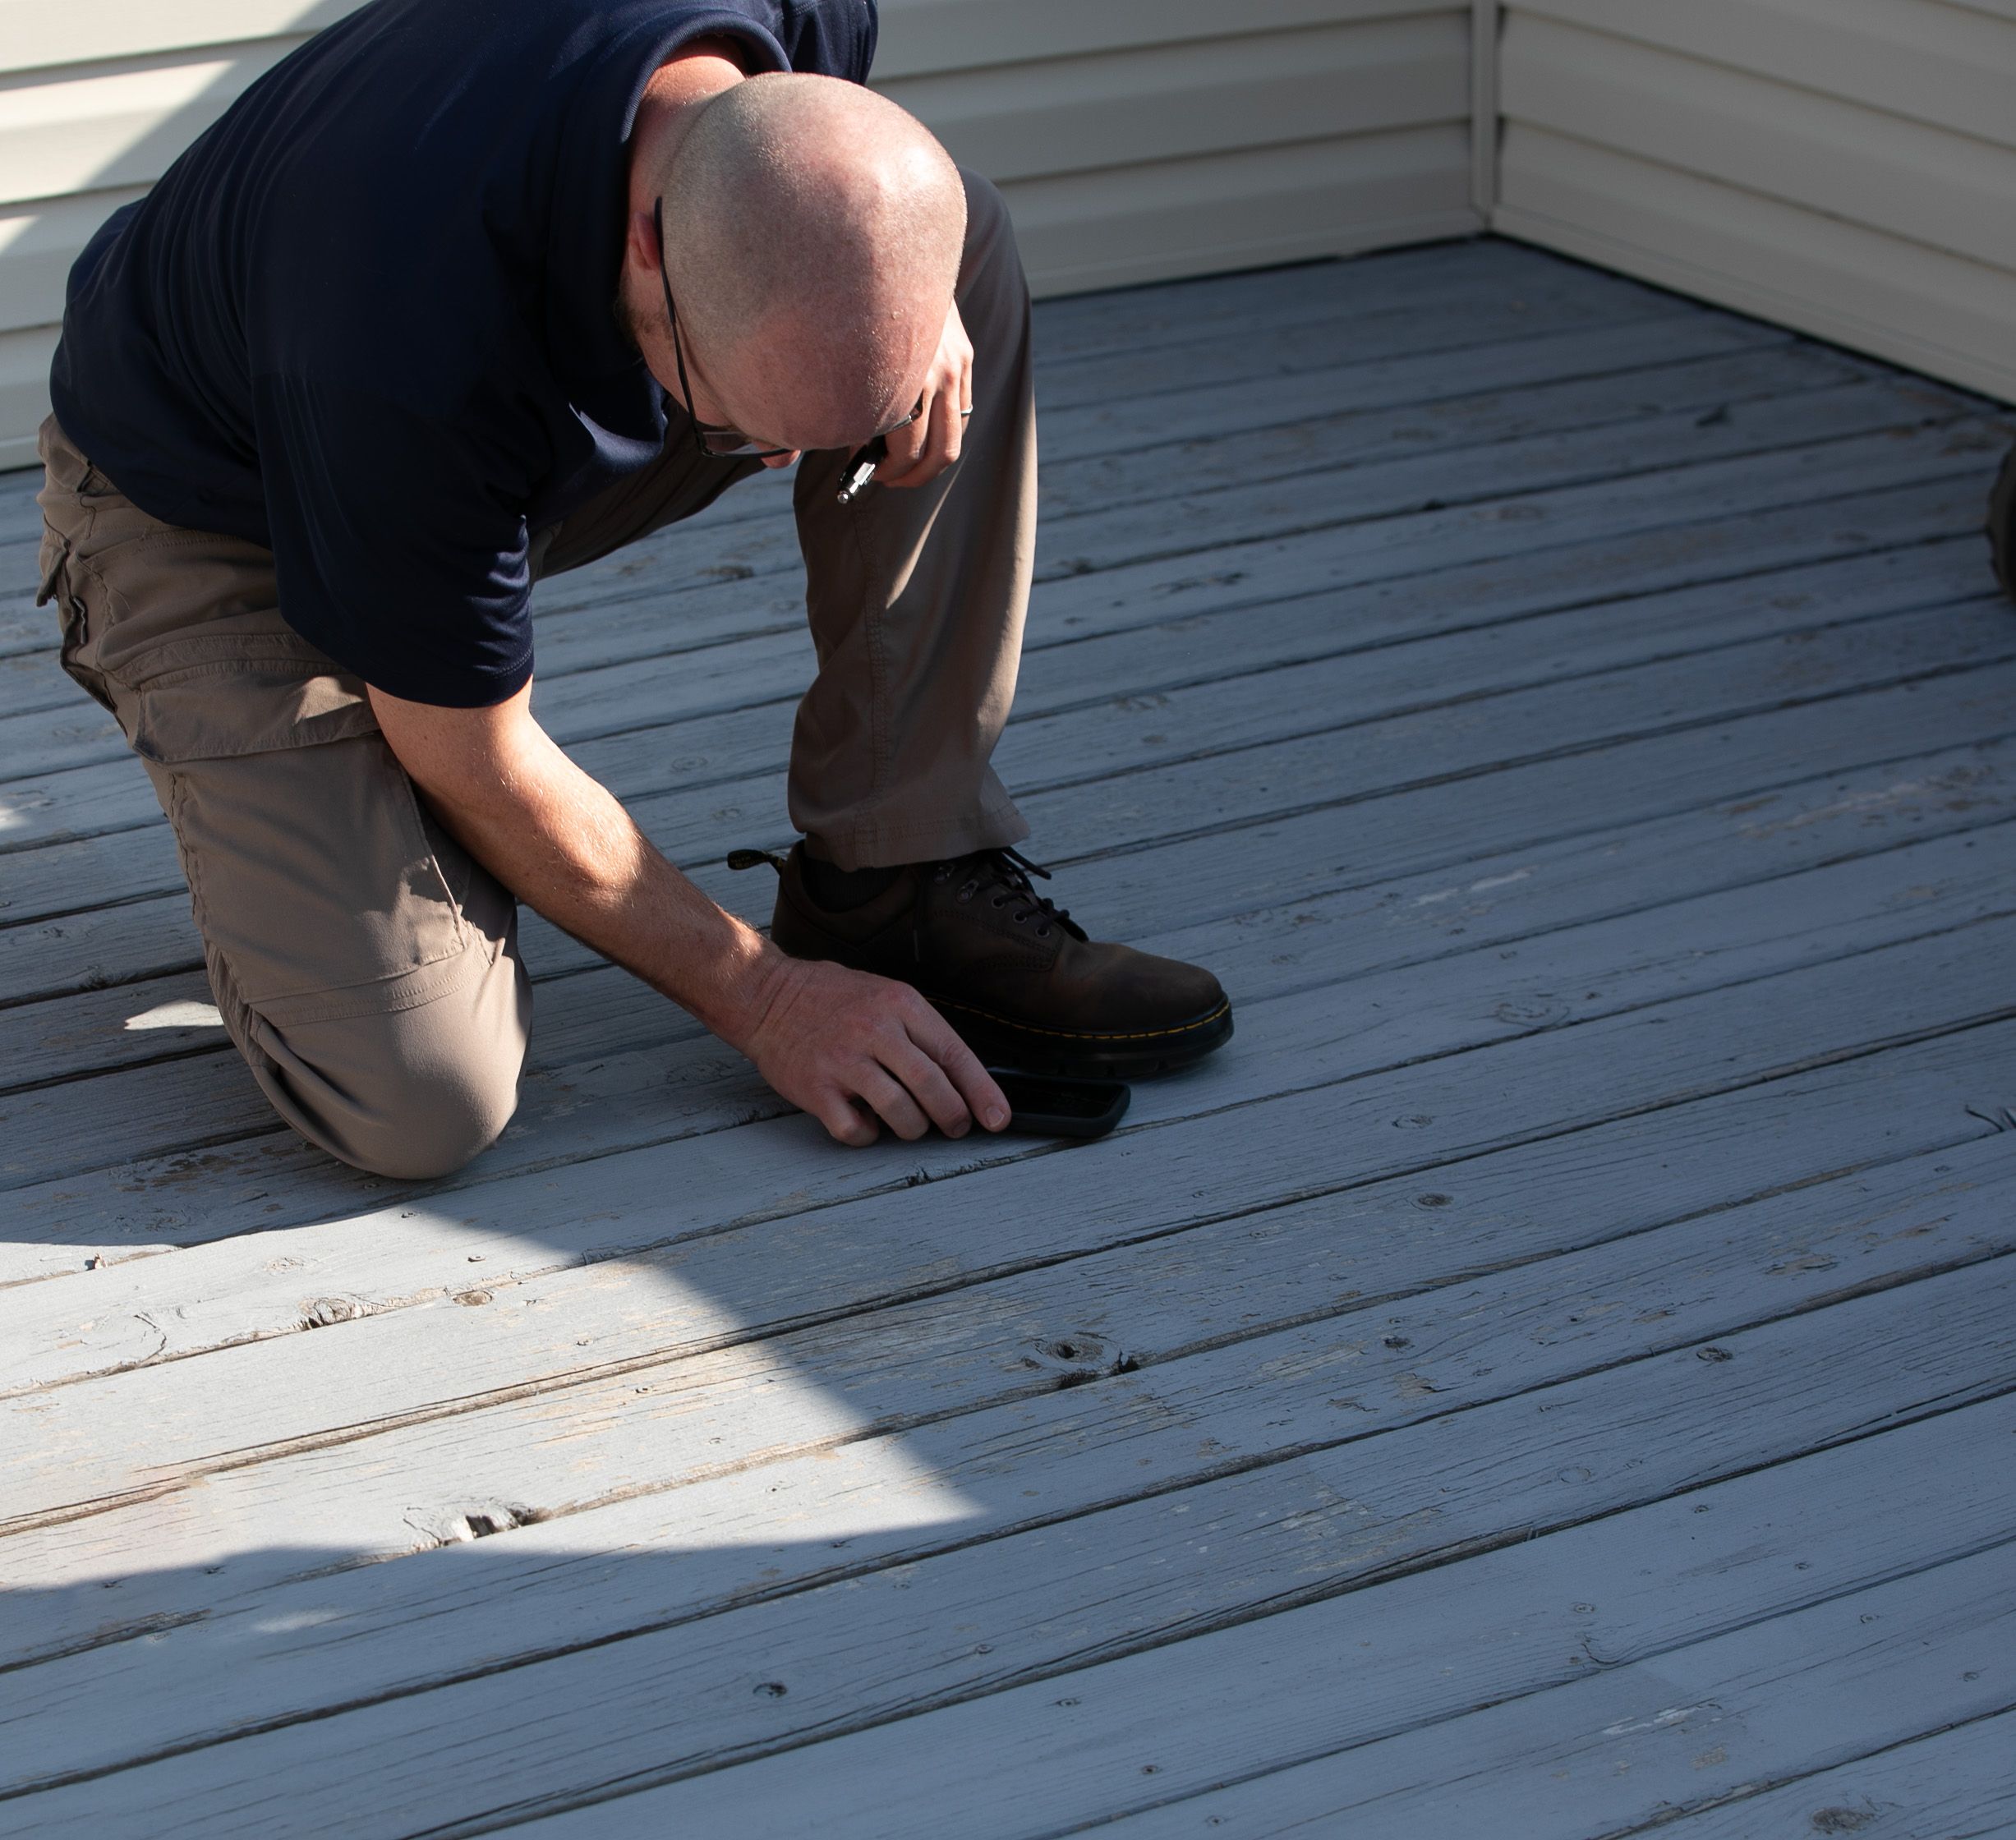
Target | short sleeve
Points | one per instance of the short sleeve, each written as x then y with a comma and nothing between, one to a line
834,37
399,537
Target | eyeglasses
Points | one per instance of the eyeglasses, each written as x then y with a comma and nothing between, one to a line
714,442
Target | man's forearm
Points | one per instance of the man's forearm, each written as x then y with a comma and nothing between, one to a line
563,844
843,1045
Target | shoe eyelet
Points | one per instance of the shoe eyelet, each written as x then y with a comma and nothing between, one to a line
999,901
1043,933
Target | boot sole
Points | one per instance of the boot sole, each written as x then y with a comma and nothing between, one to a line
1003,1043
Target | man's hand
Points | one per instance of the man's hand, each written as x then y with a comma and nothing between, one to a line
924,449
849,1047
824,1037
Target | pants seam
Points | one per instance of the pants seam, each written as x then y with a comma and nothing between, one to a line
871,613
445,977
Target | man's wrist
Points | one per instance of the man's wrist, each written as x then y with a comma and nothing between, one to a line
747,979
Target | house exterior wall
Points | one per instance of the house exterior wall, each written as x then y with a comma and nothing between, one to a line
1842,166
1148,139
1847,167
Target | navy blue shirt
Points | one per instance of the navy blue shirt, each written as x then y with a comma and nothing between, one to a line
367,320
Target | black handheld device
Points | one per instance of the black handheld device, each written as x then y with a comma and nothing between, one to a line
1042,1106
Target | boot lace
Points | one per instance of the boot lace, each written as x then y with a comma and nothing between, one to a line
1002,876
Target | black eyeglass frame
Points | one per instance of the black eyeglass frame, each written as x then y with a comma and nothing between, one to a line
744,448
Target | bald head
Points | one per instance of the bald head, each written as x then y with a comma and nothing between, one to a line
812,233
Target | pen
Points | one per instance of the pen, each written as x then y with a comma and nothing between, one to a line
861,469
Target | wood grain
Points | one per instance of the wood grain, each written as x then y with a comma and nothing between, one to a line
1719,1158
1134,1578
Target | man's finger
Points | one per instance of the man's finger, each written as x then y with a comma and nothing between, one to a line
945,429
937,1038
845,1122
948,426
906,445
928,1085
898,1109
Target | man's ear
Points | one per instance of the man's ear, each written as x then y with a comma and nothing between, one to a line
641,245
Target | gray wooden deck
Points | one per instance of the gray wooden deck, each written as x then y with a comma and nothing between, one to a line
1554,1374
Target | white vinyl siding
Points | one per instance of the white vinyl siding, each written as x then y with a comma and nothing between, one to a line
1155,138
1848,167
1135,139
95,102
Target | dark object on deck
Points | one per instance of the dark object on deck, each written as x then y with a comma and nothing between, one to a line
1058,1107
2002,524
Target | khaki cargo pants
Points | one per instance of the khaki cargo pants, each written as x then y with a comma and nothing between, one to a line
366,966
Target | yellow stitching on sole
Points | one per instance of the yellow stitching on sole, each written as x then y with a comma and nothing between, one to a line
1086,1035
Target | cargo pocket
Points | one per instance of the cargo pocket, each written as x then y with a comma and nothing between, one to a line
314,872
321,886
74,618
219,697
71,496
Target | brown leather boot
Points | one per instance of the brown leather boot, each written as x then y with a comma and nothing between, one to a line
1013,972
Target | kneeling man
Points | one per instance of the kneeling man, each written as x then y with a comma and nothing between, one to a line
453,298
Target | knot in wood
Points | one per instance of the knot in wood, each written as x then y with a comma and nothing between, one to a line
1076,1358
320,1313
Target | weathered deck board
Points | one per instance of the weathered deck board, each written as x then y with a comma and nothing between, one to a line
1709,427
1400,353
1422,1647
1418,394
1662,556
1067,1595
1481,1340
641,762
71,1452
1412,1012
1075,693
276,1181
1360,710
1499,1209
1522,286
594,1018
1577,725
1631,1747
1881,530
1957,1783
1143,730
149,1106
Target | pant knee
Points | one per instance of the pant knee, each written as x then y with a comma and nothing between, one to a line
424,1124
414,1094
991,256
